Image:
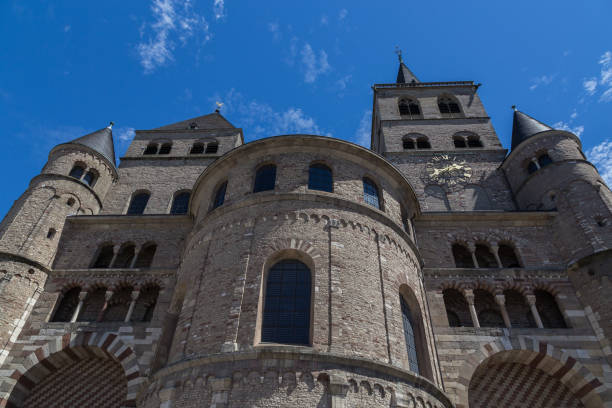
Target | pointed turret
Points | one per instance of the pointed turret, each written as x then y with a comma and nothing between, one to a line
404,75
524,126
100,141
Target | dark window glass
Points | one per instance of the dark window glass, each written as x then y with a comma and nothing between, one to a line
197,148
490,318
453,107
474,142
220,196
151,149
286,316
145,256
404,109
408,144
414,109
165,148
409,337
462,256
118,305
457,308
423,143
508,257
544,160
448,107
484,257
212,148
549,310
443,107
180,205
89,178
265,178
138,204
145,304
370,193
125,257
67,305
320,178
93,305
105,256
459,142
51,233
76,172
532,167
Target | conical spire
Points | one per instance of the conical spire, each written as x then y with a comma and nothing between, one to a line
101,141
404,75
524,126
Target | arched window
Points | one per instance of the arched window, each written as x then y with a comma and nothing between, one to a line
457,309
212,148
92,306
532,167
409,108
90,178
265,178
197,148
474,141
105,256
145,304
407,143
138,204
370,193
484,257
320,178
118,305
507,256
180,204
518,309
423,143
549,310
462,256
220,196
125,257
286,315
165,148
459,142
544,160
77,172
487,309
151,149
67,305
449,107
145,256
409,336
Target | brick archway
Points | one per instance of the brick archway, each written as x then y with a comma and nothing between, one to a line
545,357
59,353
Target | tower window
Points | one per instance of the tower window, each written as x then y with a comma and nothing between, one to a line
165,148
409,336
423,143
265,178
370,193
532,167
197,148
320,178
180,204
462,256
449,108
151,149
484,257
507,256
125,257
77,172
410,108
90,178
145,256
105,256
51,233
544,160
138,204
286,316
212,148
474,141
70,202
67,305
219,196
407,143
459,142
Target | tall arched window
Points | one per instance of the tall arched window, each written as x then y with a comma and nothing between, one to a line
518,309
286,315
544,160
265,178
90,178
145,304
125,257
457,309
180,204
118,305
145,256
549,310
150,149
320,178
487,309
370,193
93,304
409,336
448,107
197,148
138,204
67,305
462,256
410,108
484,257
508,257
219,195
105,256
77,171
212,147
532,167
165,148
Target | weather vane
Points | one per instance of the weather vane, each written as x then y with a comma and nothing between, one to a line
219,105
398,51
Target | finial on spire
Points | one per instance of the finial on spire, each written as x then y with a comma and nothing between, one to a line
513,107
219,105
398,51
110,125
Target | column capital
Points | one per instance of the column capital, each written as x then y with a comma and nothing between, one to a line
469,296
82,295
531,299
135,294
500,299
108,295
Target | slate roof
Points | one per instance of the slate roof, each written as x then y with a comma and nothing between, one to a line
405,75
524,126
211,121
100,141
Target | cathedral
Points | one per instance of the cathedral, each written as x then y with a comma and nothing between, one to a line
435,269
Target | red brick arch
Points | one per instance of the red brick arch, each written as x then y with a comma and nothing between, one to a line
60,352
543,356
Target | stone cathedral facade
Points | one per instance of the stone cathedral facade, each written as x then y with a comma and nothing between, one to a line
435,269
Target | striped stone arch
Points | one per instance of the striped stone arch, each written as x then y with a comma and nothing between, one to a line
17,381
546,357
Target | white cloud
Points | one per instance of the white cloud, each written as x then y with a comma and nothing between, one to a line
172,18
541,80
342,15
313,66
67,28
590,85
275,30
324,20
342,82
574,115
124,134
604,82
577,130
601,156
363,134
261,120
219,9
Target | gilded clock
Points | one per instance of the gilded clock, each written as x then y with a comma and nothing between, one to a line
446,170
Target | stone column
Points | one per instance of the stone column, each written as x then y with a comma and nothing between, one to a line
338,388
75,315
469,297
128,316
472,249
107,296
495,250
136,253
535,161
115,254
531,301
501,301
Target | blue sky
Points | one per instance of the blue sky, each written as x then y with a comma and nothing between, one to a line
69,67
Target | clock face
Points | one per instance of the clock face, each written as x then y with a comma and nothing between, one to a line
448,171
